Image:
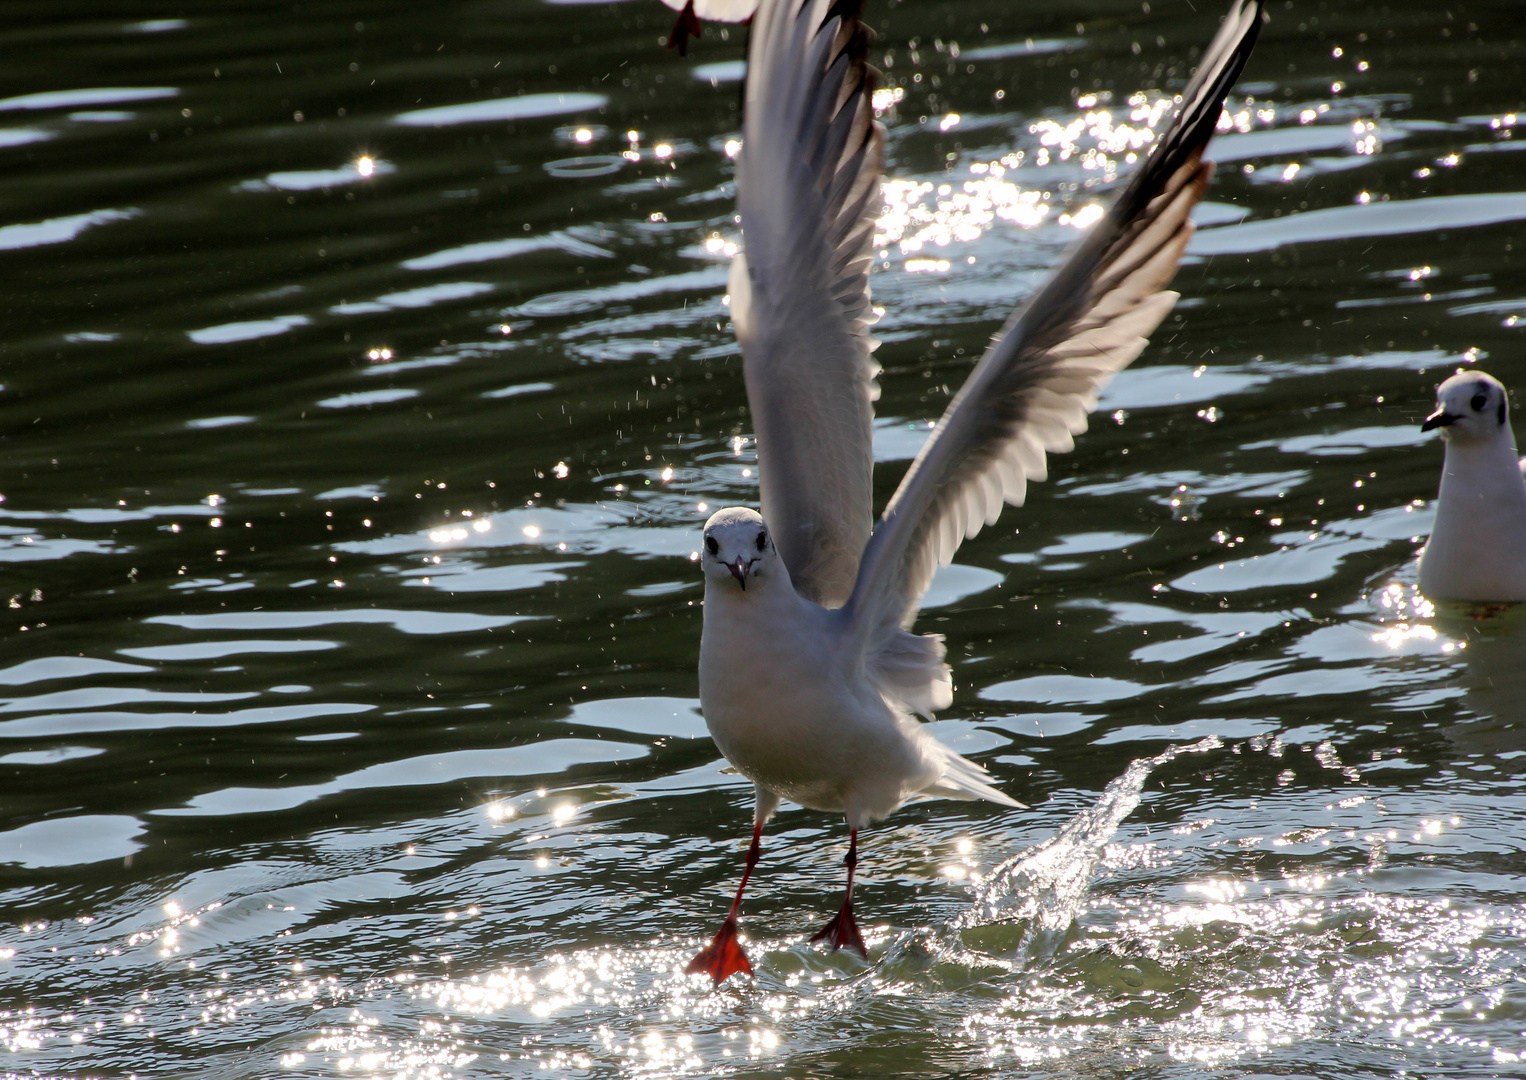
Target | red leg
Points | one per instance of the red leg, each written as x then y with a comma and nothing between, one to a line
724,956
842,929
686,26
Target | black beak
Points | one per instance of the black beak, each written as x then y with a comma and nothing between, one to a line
1439,418
739,571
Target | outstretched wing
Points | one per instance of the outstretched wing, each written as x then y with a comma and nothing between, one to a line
808,189
1030,393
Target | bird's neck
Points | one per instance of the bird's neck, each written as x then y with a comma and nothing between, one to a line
1484,473
763,594
1481,510
1477,546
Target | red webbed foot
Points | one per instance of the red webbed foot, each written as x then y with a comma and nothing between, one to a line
686,27
724,956
841,932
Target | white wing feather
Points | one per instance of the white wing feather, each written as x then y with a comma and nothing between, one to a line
807,190
1031,392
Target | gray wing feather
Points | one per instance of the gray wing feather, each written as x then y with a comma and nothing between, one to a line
1030,394
808,191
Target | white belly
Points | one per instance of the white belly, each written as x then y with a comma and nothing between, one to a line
1477,546
792,717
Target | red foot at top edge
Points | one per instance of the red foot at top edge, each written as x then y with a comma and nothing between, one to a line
685,27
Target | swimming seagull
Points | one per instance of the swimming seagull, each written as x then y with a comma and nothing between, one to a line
1477,549
809,678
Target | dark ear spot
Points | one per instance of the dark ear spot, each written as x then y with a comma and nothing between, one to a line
1501,410
714,548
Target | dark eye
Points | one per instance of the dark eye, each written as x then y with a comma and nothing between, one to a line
714,548
1478,402
762,540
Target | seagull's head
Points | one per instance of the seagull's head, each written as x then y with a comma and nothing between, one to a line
1470,406
738,548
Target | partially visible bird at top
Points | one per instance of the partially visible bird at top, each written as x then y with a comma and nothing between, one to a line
1477,547
810,680
690,12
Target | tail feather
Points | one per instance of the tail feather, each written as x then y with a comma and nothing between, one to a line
909,670
963,779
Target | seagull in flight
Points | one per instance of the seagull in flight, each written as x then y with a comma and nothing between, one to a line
810,679
1477,548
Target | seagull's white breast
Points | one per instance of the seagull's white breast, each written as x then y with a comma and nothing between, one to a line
796,715
1477,547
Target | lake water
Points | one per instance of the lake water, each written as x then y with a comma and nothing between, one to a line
366,377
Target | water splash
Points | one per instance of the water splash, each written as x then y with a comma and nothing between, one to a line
1024,907
1047,883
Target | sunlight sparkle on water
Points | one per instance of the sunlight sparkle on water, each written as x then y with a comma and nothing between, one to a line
912,220
1083,218
365,165
1410,607
918,214
499,810
1392,990
718,245
1395,636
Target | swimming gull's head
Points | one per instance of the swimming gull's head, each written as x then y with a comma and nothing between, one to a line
1470,406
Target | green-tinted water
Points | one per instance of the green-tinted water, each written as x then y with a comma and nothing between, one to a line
364,377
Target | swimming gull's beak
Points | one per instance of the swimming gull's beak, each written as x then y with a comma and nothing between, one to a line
739,571
1439,418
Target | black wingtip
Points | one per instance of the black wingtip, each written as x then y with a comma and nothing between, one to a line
1195,121
1216,75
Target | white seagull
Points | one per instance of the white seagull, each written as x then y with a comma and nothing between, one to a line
809,678
1477,549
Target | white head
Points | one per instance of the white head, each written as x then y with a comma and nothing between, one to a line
738,549
1470,407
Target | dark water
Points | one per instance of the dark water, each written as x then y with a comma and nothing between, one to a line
349,718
